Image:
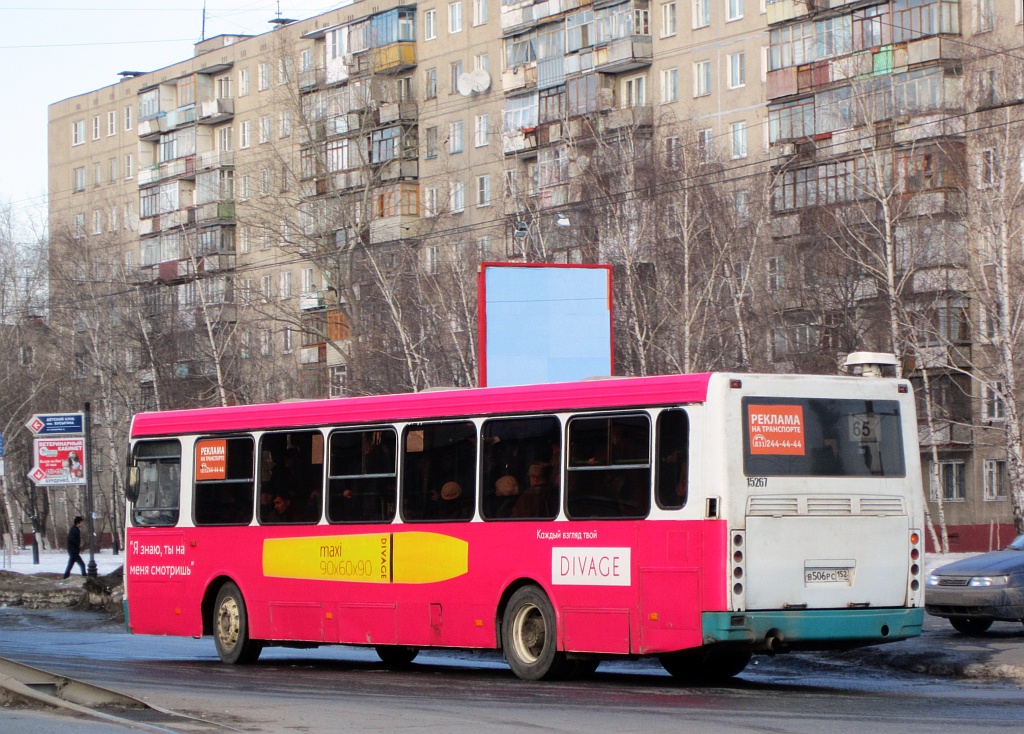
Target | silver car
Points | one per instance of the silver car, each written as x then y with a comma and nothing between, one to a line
977,591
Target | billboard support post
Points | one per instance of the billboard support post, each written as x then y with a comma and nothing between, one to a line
88,491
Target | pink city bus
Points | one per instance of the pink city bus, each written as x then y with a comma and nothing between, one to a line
698,519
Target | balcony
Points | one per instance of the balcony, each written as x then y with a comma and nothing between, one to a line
394,57
396,170
149,128
215,263
390,229
519,141
312,300
311,79
624,54
313,355
630,118
214,111
177,118
213,211
398,112
945,434
520,77
781,82
212,159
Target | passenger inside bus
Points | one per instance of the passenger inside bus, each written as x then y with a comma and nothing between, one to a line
506,494
538,500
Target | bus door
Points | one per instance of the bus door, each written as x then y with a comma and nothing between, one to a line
670,547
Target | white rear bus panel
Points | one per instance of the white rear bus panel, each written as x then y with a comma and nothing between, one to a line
819,559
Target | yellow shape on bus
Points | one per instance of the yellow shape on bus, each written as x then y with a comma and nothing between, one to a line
376,558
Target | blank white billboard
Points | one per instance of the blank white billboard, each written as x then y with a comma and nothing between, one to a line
544,323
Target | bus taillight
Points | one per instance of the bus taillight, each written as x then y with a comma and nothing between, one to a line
739,571
915,557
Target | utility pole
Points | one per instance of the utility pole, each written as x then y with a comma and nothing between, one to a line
88,491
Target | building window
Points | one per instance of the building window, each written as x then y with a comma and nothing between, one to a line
456,69
113,169
701,13
455,17
702,78
483,248
285,285
96,127
997,481
634,92
78,132
483,190
129,165
776,274
286,340
429,25
430,143
455,142
733,10
479,12
78,179
243,82
129,114
264,129
989,168
993,407
111,123
430,203
738,135
706,144
244,130
670,85
482,125
430,85
737,70
669,20
286,124
263,76
338,378
953,480
986,15
458,200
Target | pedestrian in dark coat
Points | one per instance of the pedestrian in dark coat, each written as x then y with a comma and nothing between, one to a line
75,547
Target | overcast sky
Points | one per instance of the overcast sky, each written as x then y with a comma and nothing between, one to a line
54,49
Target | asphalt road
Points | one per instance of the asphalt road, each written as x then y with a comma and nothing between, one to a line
346,689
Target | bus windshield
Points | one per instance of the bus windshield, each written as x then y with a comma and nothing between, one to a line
822,437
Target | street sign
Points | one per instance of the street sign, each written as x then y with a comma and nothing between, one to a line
58,461
56,424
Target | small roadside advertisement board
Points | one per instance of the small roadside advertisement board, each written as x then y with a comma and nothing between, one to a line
58,461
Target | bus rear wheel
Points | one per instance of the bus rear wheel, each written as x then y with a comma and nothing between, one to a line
231,628
396,656
530,639
705,666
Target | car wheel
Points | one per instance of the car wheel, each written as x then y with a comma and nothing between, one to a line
970,625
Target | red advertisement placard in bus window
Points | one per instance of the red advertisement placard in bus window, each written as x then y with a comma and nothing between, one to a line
211,459
776,429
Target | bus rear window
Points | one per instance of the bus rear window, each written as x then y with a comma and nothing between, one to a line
822,438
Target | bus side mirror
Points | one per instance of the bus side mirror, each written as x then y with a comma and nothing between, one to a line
131,489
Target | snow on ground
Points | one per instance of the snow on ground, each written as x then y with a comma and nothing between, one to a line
54,561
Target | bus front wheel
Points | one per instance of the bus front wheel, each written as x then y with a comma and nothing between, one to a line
529,637
231,628
396,656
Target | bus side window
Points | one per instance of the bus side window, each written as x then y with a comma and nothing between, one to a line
521,468
159,470
609,474
673,447
291,477
224,476
439,471
361,476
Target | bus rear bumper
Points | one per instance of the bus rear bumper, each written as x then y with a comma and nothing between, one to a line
811,629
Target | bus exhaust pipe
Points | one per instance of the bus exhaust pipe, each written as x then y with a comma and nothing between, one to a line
774,643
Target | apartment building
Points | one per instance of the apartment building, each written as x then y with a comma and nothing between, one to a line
301,212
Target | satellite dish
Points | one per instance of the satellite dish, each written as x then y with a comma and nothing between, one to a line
465,85
481,80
